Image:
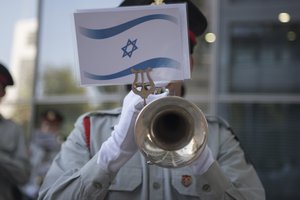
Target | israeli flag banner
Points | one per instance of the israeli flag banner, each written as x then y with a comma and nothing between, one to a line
114,43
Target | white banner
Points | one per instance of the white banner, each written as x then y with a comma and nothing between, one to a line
111,43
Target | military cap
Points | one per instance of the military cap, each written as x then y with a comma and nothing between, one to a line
5,76
196,20
52,115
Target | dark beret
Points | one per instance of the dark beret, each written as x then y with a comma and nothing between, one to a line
5,76
196,20
52,115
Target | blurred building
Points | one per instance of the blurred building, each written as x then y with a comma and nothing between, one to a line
22,64
257,86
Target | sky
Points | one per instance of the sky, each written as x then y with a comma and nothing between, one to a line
54,11
10,12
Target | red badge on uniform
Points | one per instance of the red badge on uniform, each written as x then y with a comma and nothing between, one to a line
186,180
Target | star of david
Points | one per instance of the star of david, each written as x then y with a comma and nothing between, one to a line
129,48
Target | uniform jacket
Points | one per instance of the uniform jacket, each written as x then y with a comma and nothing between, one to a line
14,162
75,174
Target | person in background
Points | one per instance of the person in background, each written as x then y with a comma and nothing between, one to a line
14,161
45,144
100,159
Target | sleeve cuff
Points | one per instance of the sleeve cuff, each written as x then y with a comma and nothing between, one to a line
96,179
215,185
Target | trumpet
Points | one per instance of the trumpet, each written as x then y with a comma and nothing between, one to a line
171,132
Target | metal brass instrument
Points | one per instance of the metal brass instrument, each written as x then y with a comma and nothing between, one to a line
171,132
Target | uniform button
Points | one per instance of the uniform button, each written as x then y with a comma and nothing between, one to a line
156,185
97,185
206,188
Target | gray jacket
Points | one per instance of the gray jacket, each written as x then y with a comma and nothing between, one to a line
14,161
74,173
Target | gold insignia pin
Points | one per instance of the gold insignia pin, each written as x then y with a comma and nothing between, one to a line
158,2
186,180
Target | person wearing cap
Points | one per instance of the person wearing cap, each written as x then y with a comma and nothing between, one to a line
100,159
45,144
14,161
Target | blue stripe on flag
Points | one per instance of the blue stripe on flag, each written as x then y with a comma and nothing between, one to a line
152,63
110,32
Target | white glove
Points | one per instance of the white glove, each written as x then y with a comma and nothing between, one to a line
121,146
203,162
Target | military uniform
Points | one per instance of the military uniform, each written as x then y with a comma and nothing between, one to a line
80,172
75,174
14,162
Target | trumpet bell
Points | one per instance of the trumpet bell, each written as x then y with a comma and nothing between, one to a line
171,132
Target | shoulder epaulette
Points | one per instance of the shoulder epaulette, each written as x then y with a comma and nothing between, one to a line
115,111
224,123
217,119
221,122
87,123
